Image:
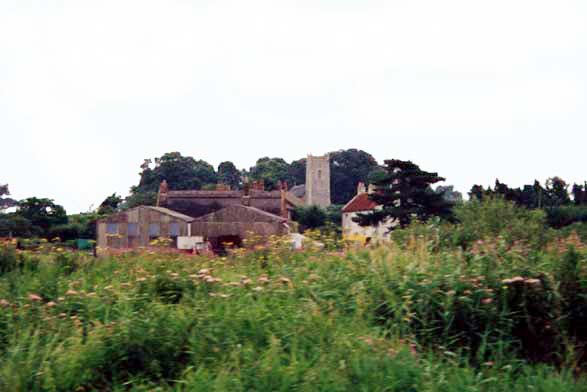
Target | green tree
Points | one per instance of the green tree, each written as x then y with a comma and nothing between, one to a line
404,194
556,192
228,174
347,169
5,202
42,213
110,204
311,217
181,173
271,171
297,172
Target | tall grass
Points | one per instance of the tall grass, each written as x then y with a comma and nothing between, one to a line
497,316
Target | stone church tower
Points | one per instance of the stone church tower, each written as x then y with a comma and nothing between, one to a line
318,181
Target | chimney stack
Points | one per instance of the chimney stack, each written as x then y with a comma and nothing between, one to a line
361,188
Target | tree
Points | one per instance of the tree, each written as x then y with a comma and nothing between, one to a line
42,213
271,171
556,192
404,194
181,173
449,193
297,172
228,174
311,217
5,202
347,169
110,204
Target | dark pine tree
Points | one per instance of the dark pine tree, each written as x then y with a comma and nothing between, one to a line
405,193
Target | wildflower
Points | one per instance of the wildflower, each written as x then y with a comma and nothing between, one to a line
515,279
486,301
34,298
246,281
285,280
451,293
263,279
71,292
233,284
534,282
258,289
224,295
4,303
204,271
142,279
51,304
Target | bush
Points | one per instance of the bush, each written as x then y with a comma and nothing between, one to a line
8,259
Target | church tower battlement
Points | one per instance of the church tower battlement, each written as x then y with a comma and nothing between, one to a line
318,181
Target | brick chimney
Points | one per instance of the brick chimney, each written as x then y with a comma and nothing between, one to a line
361,188
162,194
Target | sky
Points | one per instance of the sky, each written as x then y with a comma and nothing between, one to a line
473,90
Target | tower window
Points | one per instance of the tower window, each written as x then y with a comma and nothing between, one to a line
319,174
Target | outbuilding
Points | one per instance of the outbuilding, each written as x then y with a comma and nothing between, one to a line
138,226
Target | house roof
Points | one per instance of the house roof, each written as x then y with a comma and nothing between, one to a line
361,202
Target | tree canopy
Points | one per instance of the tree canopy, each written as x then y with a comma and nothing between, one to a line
179,171
347,169
5,202
228,174
271,171
405,193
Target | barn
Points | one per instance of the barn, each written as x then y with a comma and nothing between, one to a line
138,226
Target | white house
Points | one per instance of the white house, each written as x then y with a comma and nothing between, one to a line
362,204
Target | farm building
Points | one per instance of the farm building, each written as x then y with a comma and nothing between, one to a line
138,226
215,216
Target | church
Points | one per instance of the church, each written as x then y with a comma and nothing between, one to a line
217,216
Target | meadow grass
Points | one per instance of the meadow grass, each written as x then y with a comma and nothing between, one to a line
499,317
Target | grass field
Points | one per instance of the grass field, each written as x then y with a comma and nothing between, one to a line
411,317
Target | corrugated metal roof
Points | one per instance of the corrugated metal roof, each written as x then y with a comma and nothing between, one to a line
172,213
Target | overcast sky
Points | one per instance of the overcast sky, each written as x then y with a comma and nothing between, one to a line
471,89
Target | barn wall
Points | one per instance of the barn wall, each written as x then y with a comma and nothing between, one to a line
143,216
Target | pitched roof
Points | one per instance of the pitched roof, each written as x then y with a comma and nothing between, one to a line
240,213
361,202
172,213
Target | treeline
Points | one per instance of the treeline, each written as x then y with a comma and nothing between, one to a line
563,204
347,169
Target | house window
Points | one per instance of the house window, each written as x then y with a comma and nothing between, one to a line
154,230
174,229
111,228
133,229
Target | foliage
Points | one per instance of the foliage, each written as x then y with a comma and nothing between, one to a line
5,202
311,217
110,204
179,171
347,169
559,217
449,194
271,171
297,172
228,174
405,194
389,318
18,226
42,213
